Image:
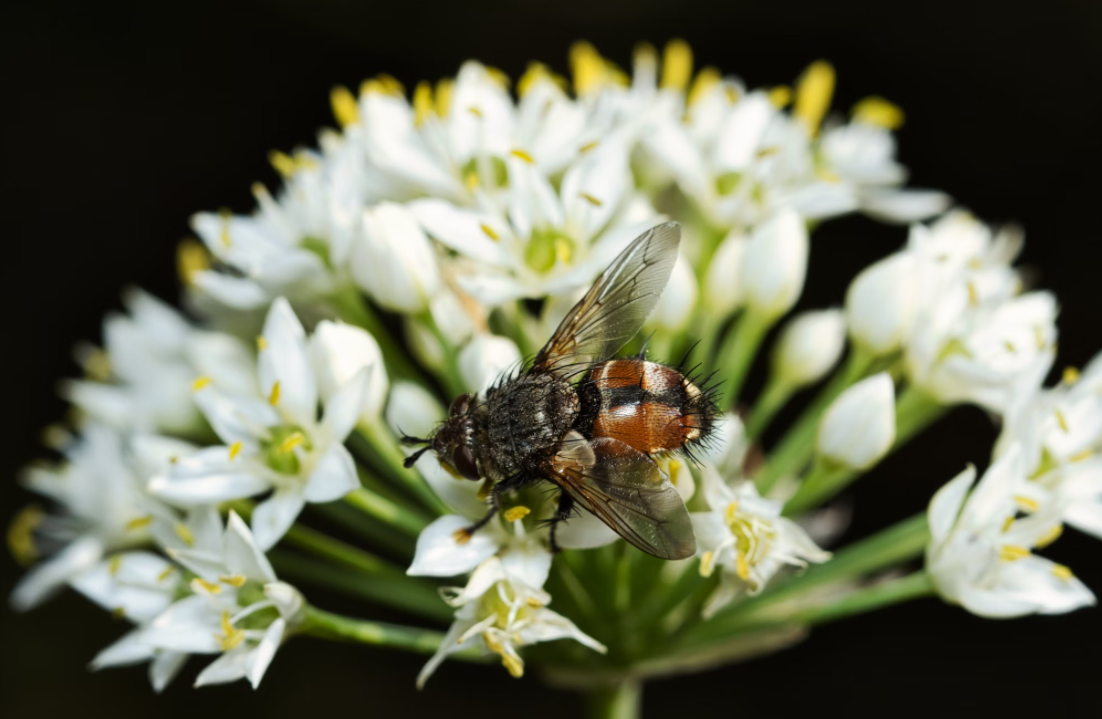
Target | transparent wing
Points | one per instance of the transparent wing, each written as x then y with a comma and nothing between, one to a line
626,490
618,303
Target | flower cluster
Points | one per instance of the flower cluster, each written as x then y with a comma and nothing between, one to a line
436,240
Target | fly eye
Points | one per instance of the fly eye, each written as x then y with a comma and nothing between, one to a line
460,405
463,461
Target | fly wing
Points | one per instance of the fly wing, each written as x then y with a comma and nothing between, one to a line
618,303
626,490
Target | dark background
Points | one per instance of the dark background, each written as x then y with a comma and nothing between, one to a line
121,120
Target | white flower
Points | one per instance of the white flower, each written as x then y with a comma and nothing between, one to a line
775,264
99,490
723,288
881,304
277,444
808,347
980,551
233,583
499,612
141,380
858,428
486,358
339,352
746,535
675,307
394,262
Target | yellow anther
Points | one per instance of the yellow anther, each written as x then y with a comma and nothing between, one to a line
587,66
645,55
498,77
273,396
422,103
731,92
707,564
705,80
535,73
1050,536
471,181
533,602
590,199
1080,456
391,85
742,567
200,383
564,251
118,613
519,512
97,365
237,581
174,459
230,636
235,449
184,534
731,513
588,146
489,232
283,163
461,536
226,218
168,572
139,523
827,175
1012,552
474,110
291,442
677,65
780,96
513,665
344,106
523,156
1061,572
1061,420
114,565
1039,337
21,534
878,111
445,89
55,436
199,584
1007,524
261,343
1010,347
1071,376
1026,504
813,93
191,258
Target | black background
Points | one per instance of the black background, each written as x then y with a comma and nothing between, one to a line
121,120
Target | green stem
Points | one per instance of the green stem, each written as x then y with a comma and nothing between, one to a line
772,399
877,596
354,309
327,625
377,444
407,594
340,553
899,543
738,351
450,375
915,410
401,546
822,482
619,701
798,445
381,508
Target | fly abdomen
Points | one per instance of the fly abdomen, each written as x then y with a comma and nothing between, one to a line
649,406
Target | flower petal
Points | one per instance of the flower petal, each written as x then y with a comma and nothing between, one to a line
275,515
229,667
438,555
50,575
333,477
286,361
242,553
261,657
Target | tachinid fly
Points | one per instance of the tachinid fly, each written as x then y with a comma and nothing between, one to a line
595,437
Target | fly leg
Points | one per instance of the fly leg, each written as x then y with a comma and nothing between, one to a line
505,485
566,508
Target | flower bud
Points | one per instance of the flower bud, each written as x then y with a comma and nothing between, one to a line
723,287
394,261
338,351
676,304
881,304
485,359
859,427
809,346
412,410
775,264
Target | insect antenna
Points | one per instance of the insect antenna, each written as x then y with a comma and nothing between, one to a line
412,459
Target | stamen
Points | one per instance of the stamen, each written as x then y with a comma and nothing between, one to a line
489,232
118,613
273,396
200,383
291,442
168,572
230,636
344,106
1007,524
114,565
1071,376
677,65
1061,572
184,534
707,564
204,585
461,536
139,523
973,295
813,93
518,512
1012,552
21,534
732,512
1050,536
475,111
1010,347
878,111
261,343
1026,504
1039,337
587,66
237,581
444,91
742,567
235,449
1061,420
55,436
191,258
780,96
705,80
224,235
591,199
588,146
522,155
1085,454
422,103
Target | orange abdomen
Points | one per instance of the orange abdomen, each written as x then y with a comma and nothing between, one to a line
646,405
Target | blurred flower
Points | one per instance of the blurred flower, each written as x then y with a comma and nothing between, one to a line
808,347
775,264
859,427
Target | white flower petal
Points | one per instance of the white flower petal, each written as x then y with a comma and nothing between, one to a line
946,505
50,575
130,649
333,477
275,515
285,360
438,555
211,489
164,668
261,657
229,667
